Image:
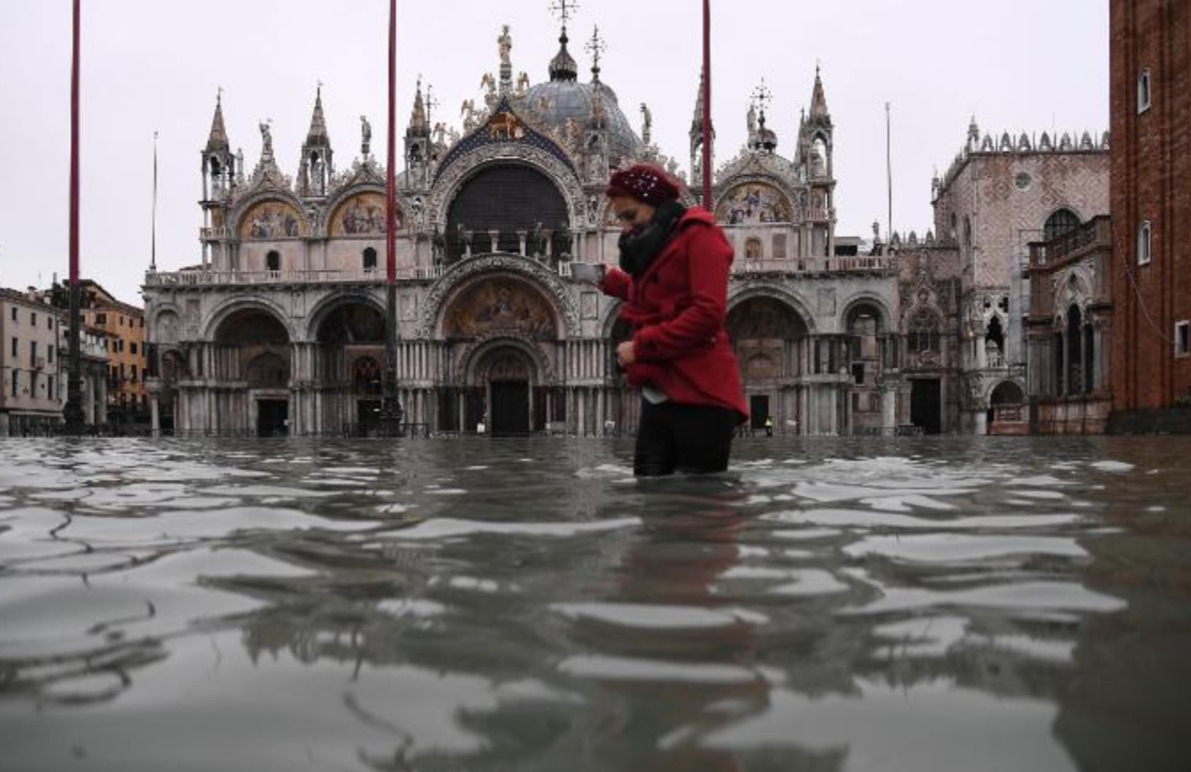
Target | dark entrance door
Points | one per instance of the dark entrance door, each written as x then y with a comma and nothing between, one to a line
510,408
272,418
368,415
759,407
926,405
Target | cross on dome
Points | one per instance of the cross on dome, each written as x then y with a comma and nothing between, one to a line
564,9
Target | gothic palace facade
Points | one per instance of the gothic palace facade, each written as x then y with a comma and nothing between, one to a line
281,328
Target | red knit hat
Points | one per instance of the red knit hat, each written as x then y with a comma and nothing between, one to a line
643,182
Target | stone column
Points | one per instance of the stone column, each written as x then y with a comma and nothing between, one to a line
889,407
154,415
494,239
521,236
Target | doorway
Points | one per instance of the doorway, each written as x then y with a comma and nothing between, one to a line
510,408
759,410
368,415
272,418
926,405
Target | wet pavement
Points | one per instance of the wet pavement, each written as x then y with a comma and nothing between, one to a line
898,604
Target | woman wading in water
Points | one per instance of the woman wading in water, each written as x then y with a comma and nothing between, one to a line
673,277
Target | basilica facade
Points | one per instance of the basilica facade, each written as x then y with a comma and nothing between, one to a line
281,327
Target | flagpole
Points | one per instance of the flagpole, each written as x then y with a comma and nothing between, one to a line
707,204
153,243
73,412
391,412
889,165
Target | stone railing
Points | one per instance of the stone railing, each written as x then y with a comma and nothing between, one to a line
254,278
817,265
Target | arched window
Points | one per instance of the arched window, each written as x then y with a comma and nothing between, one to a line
273,261
1075,363
1144,243
819,165
924,332
994,343
753,249
1143,91
369,259
1061,222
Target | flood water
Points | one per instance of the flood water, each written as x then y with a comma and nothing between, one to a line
901,604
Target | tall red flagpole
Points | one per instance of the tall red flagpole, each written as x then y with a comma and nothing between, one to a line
390,182
73,413
707,104
391,412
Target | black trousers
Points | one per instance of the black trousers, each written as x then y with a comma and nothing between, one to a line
683,438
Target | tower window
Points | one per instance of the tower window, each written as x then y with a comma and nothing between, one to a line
1182,339
1144,244
273,261
370,259
1143,91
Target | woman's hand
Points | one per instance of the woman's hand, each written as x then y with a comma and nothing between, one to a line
625,354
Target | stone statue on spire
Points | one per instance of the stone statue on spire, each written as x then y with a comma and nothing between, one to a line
505,41
365,136
266,139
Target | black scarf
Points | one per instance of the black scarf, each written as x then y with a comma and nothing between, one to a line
638,248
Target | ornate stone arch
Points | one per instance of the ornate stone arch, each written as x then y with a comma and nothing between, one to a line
796,303
246,205
447,187
463,273
1072,287
155,322
866,298
992,384
789,195
216,316
476,352
326,212
336,299
610,318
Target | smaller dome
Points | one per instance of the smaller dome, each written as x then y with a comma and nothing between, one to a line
563,66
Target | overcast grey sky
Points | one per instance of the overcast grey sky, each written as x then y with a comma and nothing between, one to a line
152,65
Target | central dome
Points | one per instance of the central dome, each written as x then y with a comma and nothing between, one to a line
564,98
560,101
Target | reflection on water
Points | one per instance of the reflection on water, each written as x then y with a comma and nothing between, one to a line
526,605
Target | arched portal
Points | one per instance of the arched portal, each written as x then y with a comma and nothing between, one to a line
501,331
1006,409
770,339
349,352
502,378
506,198
252,349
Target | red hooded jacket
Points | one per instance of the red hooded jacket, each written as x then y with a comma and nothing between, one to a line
676,310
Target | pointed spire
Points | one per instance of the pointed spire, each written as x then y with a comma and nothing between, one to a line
418,123
317,136
697,120
819,111
217,141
